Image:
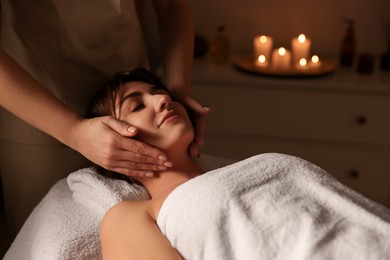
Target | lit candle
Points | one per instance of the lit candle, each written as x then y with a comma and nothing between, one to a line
315,62
302,64
300,48
262,46
281,59
261,61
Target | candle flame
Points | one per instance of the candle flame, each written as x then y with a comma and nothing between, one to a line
303,62
315,59
301,38
261,59
263,39
282,51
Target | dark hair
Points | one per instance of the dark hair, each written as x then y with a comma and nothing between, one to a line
103,103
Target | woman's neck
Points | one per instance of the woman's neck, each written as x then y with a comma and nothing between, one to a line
183,169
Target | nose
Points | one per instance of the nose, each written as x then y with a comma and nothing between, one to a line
163,102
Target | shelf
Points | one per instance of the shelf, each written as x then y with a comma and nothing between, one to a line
342,80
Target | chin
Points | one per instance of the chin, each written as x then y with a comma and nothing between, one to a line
179,141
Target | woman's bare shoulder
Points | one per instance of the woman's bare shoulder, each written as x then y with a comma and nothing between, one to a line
123,233
127,210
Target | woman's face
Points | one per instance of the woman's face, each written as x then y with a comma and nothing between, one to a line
161,121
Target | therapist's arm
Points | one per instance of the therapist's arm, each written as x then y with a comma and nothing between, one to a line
176,31
102,140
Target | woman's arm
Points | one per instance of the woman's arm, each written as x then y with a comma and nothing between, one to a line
129,232
101,140
176,31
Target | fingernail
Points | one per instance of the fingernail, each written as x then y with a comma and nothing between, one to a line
162,158
168,164
149,174
206,108
161,167
131,129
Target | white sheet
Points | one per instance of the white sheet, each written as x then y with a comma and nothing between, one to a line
273,206
65,224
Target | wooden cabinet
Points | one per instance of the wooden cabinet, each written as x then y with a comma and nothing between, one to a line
340,122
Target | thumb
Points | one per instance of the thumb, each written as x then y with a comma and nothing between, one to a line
196,106
120,127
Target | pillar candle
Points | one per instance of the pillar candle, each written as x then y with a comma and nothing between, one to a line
281,59
300,48
302,64
315,62
262,45
261,61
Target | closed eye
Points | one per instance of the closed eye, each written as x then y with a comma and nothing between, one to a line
137,108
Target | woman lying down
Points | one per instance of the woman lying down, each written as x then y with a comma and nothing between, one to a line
270,206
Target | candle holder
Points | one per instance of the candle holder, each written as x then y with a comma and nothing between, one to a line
320,68
283,62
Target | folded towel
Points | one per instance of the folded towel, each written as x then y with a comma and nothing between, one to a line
100,193
58,228
65,224
273,206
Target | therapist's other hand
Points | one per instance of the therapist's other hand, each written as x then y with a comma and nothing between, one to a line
200,114
105,141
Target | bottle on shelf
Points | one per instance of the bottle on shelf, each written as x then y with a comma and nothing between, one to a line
348,45
220,47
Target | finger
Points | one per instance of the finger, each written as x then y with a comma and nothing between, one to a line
194,150
135,166
120,127
196,106
141,151
134,173
200,126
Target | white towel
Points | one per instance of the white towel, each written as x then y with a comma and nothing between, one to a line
273,206
65,224
100,193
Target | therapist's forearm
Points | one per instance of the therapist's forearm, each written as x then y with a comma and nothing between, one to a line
23,96
176,30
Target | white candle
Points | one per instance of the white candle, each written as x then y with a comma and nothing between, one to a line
261,61
315,62
281,59
300,48
302,64
262,46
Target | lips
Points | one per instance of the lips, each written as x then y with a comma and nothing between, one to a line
166,117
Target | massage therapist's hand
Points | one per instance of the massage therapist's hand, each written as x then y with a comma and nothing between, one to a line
200,121
105,141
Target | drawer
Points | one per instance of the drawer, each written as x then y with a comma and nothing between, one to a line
365,172
297,114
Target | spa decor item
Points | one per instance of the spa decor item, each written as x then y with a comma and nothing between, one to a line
262,47
282,62
312,68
